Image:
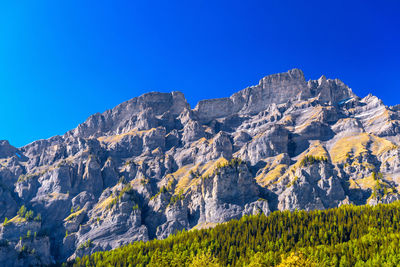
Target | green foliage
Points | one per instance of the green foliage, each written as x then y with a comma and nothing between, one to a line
5,221
176,198
62,163
87,244
309,160
292,182
126,190
194,173
38,218
122,180
144,181
21,212
233,163
296,259
163,189
25,177
29,215
74,215
75,210
127,163
204,259
28,235
345,236
381,189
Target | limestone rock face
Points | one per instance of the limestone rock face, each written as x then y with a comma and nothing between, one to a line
314,187
277,89
332,91
8,206
224,194
7,150
270,143
177,219
152,166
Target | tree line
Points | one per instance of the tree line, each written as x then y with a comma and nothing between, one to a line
345,236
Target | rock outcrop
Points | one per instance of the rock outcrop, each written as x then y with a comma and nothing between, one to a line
152,166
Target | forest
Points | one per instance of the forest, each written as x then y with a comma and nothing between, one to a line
345,236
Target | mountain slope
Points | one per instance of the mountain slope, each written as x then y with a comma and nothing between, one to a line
345,236
152,165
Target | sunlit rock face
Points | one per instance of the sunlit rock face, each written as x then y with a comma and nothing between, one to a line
152,166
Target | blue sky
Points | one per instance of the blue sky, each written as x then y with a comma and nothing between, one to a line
61,61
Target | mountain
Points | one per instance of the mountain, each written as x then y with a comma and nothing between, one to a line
152,166
345,236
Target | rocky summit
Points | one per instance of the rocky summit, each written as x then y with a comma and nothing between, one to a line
152,166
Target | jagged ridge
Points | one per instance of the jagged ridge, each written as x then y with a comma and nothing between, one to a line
152,165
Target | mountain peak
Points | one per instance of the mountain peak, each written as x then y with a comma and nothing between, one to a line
293,74
321,80
274,89
152,166
126,116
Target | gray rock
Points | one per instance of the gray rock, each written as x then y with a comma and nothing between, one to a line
7,150
152,166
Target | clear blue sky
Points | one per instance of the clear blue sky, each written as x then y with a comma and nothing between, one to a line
61,61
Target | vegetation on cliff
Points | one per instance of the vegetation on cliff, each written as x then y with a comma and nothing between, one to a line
345,236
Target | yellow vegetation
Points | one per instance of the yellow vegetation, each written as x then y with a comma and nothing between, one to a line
185,178
210,168
288,119
265,179
193,175
364,164
317,150
382,116
199,142
181,175
204,225
296,259
156,151
118,137
57,195
314,116
358,144
202,259
367,182
353,184
17,219
189,175
73,215
105,203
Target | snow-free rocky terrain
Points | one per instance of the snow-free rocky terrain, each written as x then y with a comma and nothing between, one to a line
152,166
